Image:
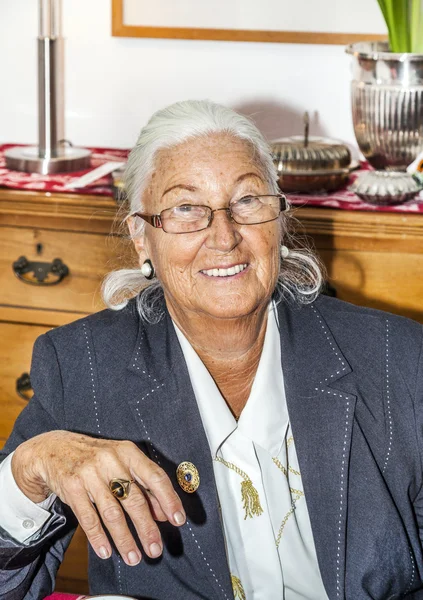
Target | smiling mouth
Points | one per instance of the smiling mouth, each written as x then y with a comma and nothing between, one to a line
225,272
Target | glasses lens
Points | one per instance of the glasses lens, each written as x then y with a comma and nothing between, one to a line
255,209
186,218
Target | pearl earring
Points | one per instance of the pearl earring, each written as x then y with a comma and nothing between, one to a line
284,252
147,269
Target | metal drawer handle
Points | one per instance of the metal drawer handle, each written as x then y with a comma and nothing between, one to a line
40,271
23,384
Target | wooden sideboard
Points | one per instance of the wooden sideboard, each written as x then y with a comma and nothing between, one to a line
373,259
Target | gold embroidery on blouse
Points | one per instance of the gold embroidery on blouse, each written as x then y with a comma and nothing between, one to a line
297,493
249,494
237,588
283,469
294,472
285,519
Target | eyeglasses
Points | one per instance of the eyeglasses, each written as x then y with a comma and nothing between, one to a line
188,218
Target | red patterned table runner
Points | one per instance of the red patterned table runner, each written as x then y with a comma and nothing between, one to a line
19,180
342,199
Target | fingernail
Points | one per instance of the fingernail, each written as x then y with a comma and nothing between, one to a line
133,558
155,550
104,553
179,517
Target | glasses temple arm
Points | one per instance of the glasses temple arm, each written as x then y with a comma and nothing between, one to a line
153,220
283,203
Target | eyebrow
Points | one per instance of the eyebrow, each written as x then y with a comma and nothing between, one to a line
192,188
247,176
189,188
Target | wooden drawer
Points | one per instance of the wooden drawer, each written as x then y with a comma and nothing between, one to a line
383,280
88,257
15,358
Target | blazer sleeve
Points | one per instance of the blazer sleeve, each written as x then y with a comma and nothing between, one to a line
34,566
418,395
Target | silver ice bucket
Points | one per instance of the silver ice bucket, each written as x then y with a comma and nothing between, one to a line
387,104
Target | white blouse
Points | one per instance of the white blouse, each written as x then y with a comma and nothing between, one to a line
270,547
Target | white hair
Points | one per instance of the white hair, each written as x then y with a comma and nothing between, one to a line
300,277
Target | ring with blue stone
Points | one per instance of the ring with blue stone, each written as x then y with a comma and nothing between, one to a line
188,477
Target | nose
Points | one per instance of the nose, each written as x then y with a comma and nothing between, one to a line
223,233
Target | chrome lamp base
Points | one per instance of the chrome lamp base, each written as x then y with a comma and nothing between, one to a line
28,159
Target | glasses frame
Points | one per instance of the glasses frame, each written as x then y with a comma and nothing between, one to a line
157,220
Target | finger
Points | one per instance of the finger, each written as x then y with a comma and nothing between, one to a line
152,477
138,508
114,520
90,522
155,507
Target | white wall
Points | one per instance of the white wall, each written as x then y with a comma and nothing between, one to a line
114,84
270,15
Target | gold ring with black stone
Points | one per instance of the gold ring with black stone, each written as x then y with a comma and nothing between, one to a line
120,488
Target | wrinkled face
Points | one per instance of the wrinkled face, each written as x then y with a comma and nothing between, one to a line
213,171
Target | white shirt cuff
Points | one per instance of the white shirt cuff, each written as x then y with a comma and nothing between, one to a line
19,516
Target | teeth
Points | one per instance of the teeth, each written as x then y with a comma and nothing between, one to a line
225,272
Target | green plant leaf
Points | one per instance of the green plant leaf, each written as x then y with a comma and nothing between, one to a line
404,20
416,26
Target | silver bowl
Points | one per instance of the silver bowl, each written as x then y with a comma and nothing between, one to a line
385,187
310,164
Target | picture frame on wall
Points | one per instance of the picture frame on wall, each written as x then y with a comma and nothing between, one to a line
280,21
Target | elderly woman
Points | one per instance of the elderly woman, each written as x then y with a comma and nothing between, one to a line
227,432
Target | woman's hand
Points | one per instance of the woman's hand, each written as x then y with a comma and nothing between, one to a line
78,469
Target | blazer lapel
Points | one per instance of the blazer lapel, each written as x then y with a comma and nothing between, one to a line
321,418
170,424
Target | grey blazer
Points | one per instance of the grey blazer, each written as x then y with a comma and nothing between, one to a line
354,387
